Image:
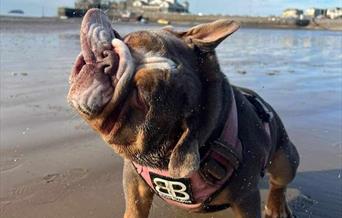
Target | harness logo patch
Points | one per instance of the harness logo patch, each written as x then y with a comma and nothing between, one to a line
174,189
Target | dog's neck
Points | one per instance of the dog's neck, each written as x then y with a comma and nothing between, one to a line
219,91
216,103
217,98
226,102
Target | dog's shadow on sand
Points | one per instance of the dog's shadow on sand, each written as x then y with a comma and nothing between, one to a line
312,194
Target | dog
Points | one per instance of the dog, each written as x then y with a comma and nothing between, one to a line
161,101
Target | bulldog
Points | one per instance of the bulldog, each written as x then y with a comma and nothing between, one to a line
161,101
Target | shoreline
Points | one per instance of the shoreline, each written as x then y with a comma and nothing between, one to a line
245,22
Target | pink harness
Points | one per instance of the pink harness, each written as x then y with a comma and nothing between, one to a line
217,166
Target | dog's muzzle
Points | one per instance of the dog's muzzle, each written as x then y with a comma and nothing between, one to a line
103,70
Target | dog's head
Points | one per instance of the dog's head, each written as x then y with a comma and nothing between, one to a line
144,93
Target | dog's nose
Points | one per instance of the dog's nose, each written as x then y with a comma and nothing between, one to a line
109,63
103,48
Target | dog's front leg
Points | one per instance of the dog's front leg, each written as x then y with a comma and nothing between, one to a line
248,206
138,194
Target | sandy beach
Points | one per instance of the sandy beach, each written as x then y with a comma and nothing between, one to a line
53,165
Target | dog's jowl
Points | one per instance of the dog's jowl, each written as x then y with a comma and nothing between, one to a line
161,101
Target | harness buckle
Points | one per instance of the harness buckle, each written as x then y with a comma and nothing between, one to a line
212,171
228,152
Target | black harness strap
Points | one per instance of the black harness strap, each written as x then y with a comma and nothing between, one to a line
228,152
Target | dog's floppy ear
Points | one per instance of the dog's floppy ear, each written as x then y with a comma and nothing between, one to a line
185,156
209,35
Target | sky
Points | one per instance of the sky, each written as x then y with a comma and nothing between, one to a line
230,7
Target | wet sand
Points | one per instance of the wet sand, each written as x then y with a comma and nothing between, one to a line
53,165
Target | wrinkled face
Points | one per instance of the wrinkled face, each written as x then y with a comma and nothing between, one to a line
147,94
136,91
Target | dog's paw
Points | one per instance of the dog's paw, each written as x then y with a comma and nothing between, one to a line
281,210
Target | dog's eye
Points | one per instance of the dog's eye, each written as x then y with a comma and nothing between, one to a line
138,100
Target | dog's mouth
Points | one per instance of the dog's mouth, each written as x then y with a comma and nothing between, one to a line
101,75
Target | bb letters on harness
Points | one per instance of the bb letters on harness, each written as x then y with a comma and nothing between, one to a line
174,189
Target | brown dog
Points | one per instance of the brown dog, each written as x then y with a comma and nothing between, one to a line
160,100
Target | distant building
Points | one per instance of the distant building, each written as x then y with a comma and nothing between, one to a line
159,6
315,12
139,6
83,4
119,6
292,13
334,13
87,4
64,12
